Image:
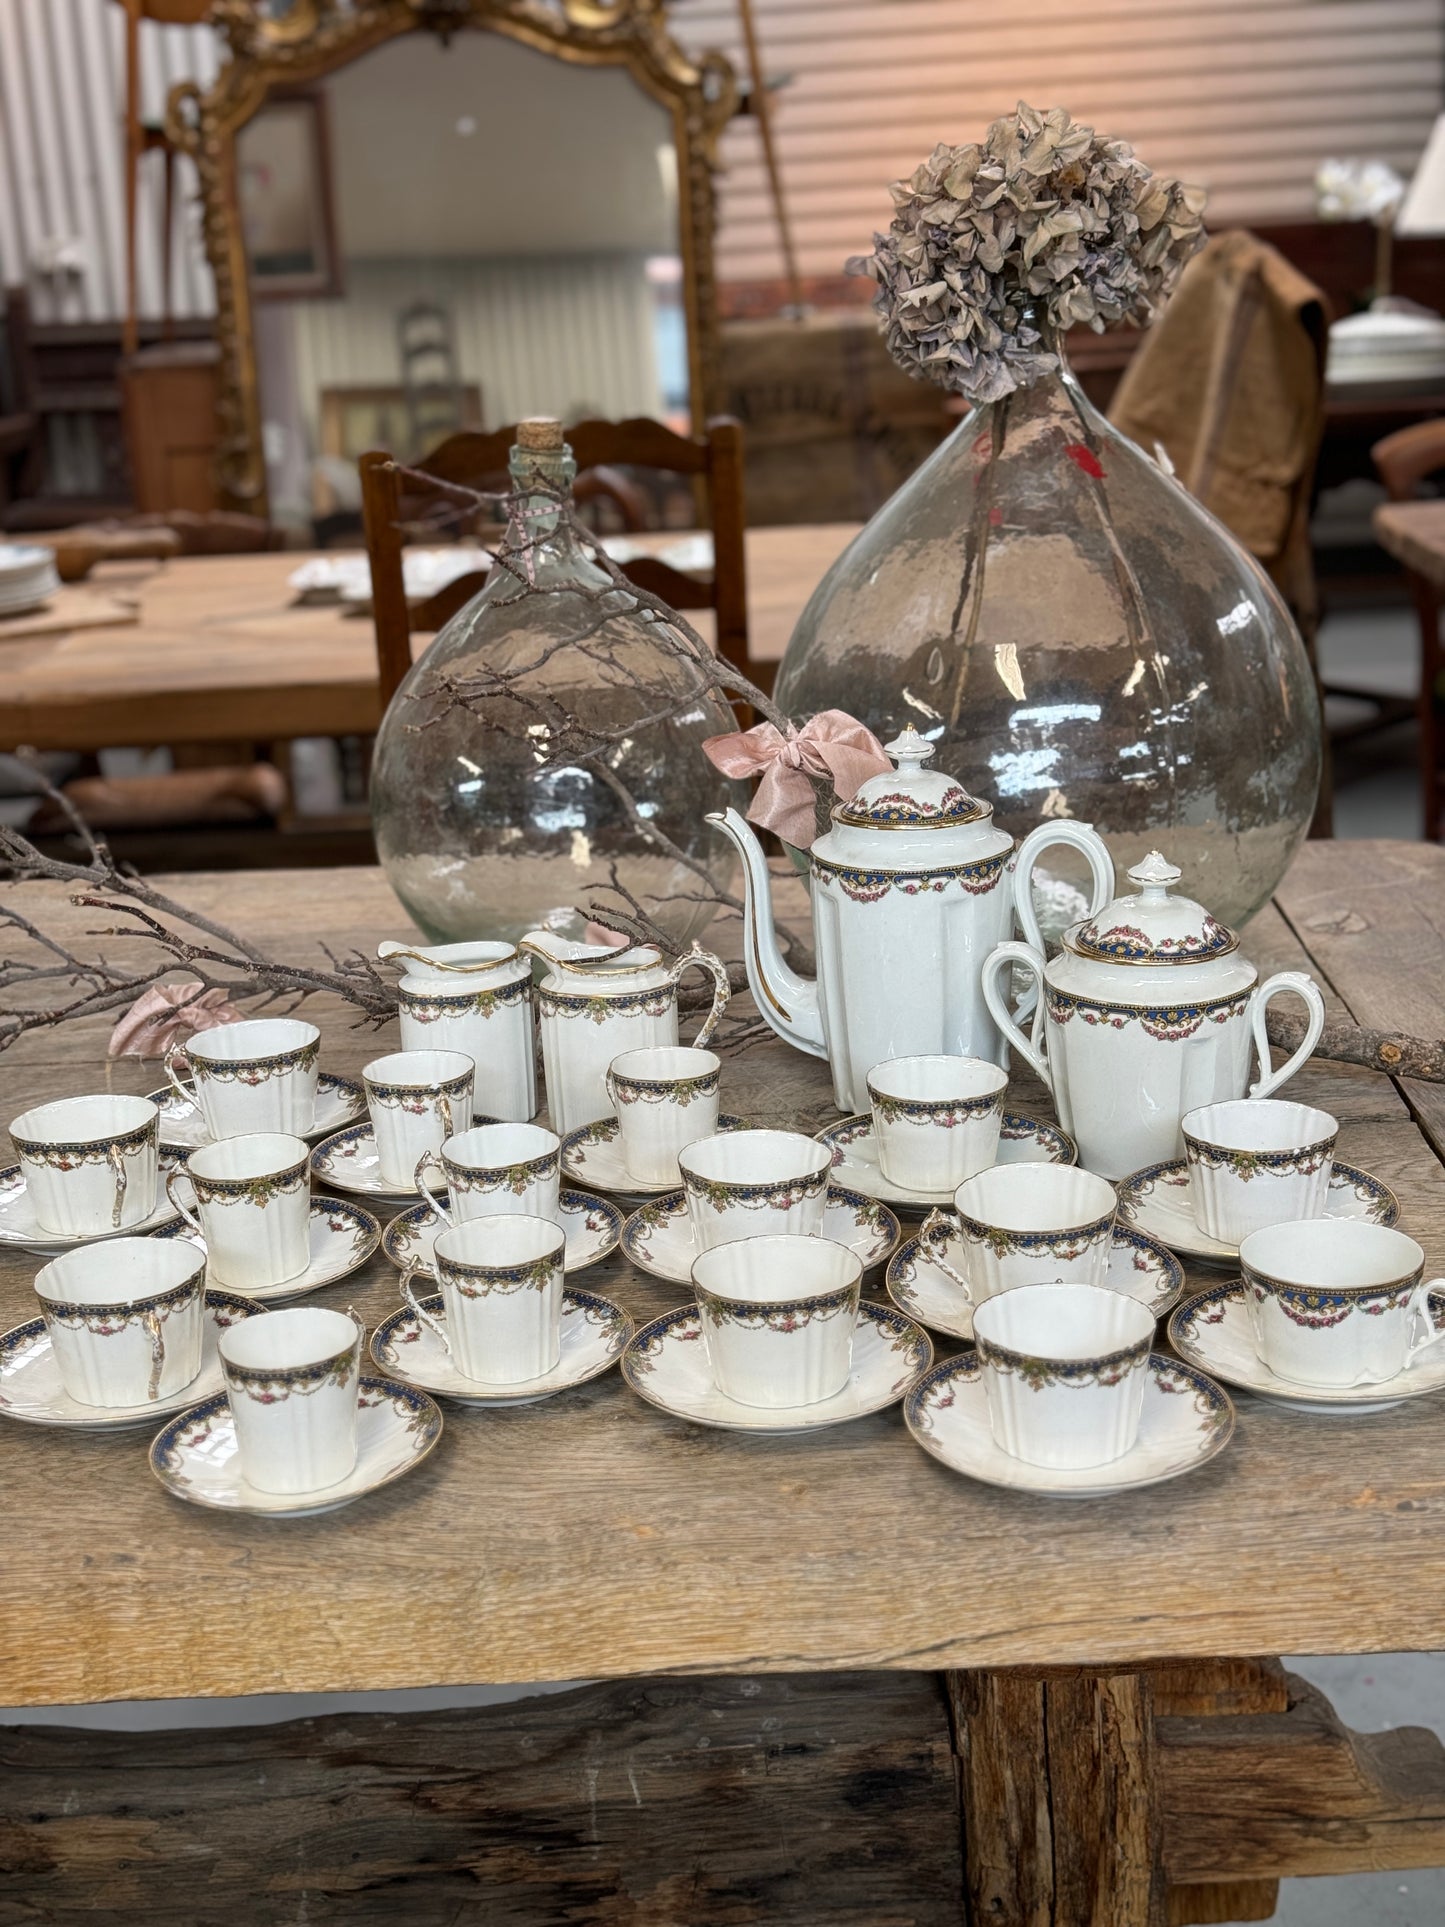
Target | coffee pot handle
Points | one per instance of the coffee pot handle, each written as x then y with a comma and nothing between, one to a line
1302,986
700,959
1079,836
1031,1048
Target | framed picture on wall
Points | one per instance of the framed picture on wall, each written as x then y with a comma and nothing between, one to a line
283,184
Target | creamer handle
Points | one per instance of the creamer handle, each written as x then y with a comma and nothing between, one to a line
700,959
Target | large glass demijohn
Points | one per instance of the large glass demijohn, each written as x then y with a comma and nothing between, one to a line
490,820
1076,634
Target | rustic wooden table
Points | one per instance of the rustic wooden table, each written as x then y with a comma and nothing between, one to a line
221,651
849,1634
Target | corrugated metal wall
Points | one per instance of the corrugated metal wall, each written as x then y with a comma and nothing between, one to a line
1246,96
62,95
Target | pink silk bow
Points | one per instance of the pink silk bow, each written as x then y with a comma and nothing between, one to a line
167,1014
832,744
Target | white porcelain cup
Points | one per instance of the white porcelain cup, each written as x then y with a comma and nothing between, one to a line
755,1184
260,1075
292,1379
1027,1224
495,1170
417,1100
125,1318
253,1208
89,1163
665,1098
777,1317
936,1119
501,1282
1063,1370
1337,1303
1257,1161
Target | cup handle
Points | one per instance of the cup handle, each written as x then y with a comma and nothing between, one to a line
1302,986
444,1105
1079,836
115,1157
1423,1332
1032,1048
150,1322
700,959
191,1219
177,1055
432,1323
935,1222
427,1158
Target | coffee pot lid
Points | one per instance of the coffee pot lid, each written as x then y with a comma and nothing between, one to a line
910,797
1154,927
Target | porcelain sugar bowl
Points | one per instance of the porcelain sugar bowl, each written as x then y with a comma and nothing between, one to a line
912,886
1147,1011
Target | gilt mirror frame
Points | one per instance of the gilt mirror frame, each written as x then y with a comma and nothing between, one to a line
271,53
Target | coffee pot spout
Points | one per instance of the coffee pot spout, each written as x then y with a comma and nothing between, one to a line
787,1001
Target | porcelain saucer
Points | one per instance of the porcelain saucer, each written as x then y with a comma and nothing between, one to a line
1140,1267
947,1413
195,1456
31,1391
593,1228
658,1237
19,1230
1159,1200
339,1101
592,1156
594,1332
343,1236
1023,1140
666,1364
1212,1330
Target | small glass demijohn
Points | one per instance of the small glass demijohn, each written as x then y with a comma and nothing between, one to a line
491,818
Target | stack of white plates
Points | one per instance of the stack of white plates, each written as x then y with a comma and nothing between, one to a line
1383,345
27,578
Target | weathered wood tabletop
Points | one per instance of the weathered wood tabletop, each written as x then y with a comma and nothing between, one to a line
1414,533
220,650
1109,1768
592,1536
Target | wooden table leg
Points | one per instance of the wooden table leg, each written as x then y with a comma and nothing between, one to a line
1062,1807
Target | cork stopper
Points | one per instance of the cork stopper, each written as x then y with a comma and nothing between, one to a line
540,435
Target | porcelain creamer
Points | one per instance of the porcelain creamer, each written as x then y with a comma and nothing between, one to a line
1147,1012
912,887
475,998
594,1003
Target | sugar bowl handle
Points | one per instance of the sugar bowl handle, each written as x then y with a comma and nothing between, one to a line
996,965
700,959
1284,983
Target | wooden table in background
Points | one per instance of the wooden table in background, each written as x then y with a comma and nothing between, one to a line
222,652
811,1647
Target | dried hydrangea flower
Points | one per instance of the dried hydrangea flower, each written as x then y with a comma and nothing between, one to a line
1041,218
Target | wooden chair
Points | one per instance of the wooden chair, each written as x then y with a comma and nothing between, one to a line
1403,461
713,459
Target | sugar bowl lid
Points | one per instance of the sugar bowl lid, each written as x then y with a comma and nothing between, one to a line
1154,927
910,797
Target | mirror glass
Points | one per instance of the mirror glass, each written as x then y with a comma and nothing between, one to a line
454,236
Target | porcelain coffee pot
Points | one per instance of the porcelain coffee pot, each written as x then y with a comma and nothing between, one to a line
594,1003
912,887
1147,1011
